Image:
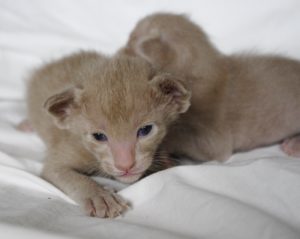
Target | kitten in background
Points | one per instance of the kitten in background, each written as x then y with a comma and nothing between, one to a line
239,102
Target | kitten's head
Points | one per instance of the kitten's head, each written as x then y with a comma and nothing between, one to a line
121,112
173,43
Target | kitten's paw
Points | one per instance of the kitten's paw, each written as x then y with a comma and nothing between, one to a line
291,146
105,204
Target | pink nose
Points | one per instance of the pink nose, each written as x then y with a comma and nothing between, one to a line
124,155
124,165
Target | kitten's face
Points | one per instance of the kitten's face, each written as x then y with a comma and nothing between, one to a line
128,154
122,114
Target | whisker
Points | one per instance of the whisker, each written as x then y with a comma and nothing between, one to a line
161,161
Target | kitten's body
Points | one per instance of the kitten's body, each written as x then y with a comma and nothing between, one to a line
239,102
89,110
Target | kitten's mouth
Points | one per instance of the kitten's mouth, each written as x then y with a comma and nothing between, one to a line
129,177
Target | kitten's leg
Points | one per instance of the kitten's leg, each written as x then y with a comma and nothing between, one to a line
95,199
291,146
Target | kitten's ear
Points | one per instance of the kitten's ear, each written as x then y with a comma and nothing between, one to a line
63,106
154,49
172,91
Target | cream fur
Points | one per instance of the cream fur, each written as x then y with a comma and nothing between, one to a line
71,99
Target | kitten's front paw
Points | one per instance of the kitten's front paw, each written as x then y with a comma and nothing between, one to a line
105,204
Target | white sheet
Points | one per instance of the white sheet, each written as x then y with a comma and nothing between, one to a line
253,195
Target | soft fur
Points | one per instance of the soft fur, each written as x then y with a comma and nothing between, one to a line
71,99
239,102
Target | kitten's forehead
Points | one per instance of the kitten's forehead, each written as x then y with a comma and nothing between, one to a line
120,94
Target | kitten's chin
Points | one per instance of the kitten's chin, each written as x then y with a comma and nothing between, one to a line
129,178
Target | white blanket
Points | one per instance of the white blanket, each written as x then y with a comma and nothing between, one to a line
254,195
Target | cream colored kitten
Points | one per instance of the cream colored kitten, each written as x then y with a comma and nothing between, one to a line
238,102
101,115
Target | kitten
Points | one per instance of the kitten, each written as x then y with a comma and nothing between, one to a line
101,115
238,102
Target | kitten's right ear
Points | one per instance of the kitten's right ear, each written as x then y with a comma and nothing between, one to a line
64,106
172,92
154,50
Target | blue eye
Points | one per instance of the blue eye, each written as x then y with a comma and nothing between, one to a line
100,137
144,130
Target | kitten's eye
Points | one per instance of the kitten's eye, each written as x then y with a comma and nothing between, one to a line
100,137
144,130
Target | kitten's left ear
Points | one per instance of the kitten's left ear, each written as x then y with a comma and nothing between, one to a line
173,91
63,106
